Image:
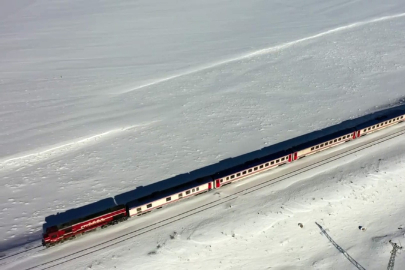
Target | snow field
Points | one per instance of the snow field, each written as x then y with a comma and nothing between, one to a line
99,98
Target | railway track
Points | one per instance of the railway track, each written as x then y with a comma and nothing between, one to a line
204,207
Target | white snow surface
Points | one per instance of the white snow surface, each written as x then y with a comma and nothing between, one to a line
100,97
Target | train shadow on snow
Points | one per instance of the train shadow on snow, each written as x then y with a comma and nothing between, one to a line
28,241
211,169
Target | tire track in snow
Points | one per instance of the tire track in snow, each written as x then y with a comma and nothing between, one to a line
36,157
272,49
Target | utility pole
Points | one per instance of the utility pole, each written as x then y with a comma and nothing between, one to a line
395,247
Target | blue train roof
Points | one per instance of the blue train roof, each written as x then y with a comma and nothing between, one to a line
170,191
249,164
322,139
380,119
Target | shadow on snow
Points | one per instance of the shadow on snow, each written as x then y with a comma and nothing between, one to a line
142,191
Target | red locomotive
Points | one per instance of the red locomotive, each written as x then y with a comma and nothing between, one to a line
76,227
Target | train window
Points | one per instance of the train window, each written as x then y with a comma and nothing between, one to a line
267,164
193,189
180,195
232,176
188,191
272,162
139,209
222,180
197,189
244,172
321,145
317,147
277,161
261,166
68,230
282,159
373,127
402,117
389,121
149,205
227,178
339,139
238,174
335,140
168,199
250,170
255,168
326,143
312,148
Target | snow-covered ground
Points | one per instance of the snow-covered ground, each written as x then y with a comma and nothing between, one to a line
100,97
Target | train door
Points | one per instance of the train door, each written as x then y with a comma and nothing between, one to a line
295,156
354,135
217,183
290,157
358,133
209,186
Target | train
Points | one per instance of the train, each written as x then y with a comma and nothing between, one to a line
66,231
